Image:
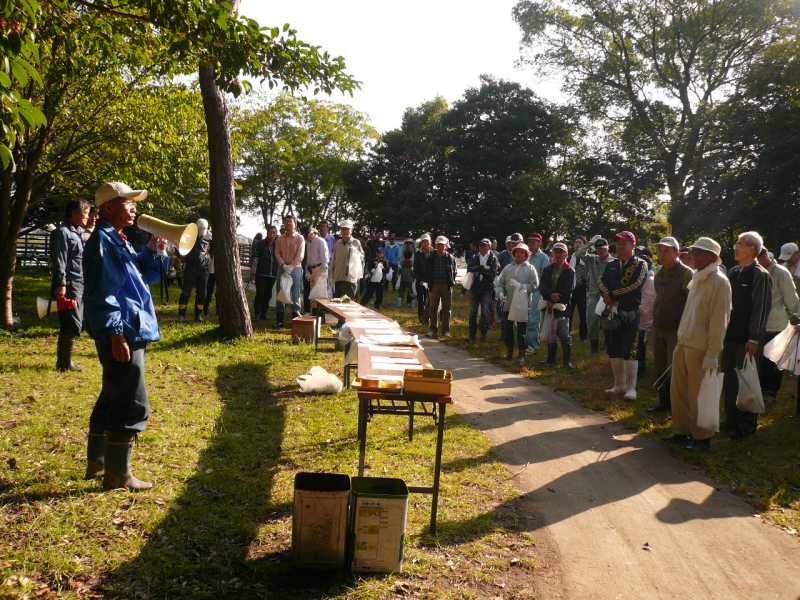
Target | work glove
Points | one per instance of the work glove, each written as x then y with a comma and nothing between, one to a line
710,363
794,319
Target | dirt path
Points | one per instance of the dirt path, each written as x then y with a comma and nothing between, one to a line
620,515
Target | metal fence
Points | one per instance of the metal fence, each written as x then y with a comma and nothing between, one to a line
33,249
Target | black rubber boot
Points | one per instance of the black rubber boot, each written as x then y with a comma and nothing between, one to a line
64,360
198,314
182,313
60,365
552,350
117,467
567,350
595,347
95,455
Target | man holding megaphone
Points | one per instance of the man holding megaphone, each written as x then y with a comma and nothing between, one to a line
121,319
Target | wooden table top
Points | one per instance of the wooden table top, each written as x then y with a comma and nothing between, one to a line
350,310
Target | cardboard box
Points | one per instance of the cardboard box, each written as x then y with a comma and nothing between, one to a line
305,329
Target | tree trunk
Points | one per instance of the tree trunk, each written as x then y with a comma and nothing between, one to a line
678,217
234,313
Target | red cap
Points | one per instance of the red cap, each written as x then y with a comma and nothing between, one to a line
535,236
626,235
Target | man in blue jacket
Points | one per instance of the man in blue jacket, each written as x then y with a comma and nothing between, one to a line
121,319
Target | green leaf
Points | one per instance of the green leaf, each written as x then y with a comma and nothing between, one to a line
5,80
6,158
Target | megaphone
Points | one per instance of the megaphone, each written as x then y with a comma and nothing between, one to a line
183,236
42,307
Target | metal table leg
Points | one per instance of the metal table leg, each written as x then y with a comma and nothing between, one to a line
411,421
438,464
362,434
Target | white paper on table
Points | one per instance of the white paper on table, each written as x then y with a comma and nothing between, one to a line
392,367
394,359
375,348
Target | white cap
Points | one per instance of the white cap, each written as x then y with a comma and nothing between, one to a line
523,247
707,244
116,189
670,242
346,224
442,240
560,246
202,225
788,250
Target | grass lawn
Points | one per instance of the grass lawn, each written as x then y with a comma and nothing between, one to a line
226,437
764,468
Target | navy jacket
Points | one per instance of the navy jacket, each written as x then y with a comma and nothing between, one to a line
564,286
483,277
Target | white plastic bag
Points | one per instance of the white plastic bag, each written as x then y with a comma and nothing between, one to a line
520,305
547,328
319,381
319,289
782,349
466,282
285,289
708,400
600,307
749,398
355,267
397,283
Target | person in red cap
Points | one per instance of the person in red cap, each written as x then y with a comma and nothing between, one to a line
621,286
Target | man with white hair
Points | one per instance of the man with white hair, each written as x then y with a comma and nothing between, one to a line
195,274
699,339
348,262
752,299
441,274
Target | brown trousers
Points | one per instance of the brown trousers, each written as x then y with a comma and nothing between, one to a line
664,342
687,374
444,293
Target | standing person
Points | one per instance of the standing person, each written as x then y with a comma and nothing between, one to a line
790,258
595,256
699,337
406,288
505,258
195,274
212,278
66,266
556,288
421,278
579,294
374,242
376,278
645,314
539,260
121,319
391,254
91,222
518,277
785,309
752,299
621,286
348,262
266,272
325,234
290,250
317,260
671,284
483,267
441,273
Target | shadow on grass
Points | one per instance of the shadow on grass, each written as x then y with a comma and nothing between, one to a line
203,546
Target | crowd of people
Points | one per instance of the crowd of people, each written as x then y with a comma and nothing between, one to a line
698,317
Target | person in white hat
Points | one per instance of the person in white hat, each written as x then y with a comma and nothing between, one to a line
519,277
701,332
790,258
556,287
441,277
347,263
121,318
671,284
421,277
785,309
752,299
195,273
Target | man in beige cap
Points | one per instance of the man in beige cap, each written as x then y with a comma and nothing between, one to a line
121,319
701,332
441,274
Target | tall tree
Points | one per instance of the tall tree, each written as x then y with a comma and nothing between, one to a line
663,65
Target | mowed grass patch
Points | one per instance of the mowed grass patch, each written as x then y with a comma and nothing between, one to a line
227,434
763,468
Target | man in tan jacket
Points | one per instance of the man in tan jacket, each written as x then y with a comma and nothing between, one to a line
700,337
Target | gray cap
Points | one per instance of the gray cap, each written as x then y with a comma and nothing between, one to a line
601,243
670,242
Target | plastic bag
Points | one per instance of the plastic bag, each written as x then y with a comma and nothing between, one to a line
782,349
397,283
466,282
547,328
319,381
285,289
319,289
749,398
708,400
518,311
600,308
